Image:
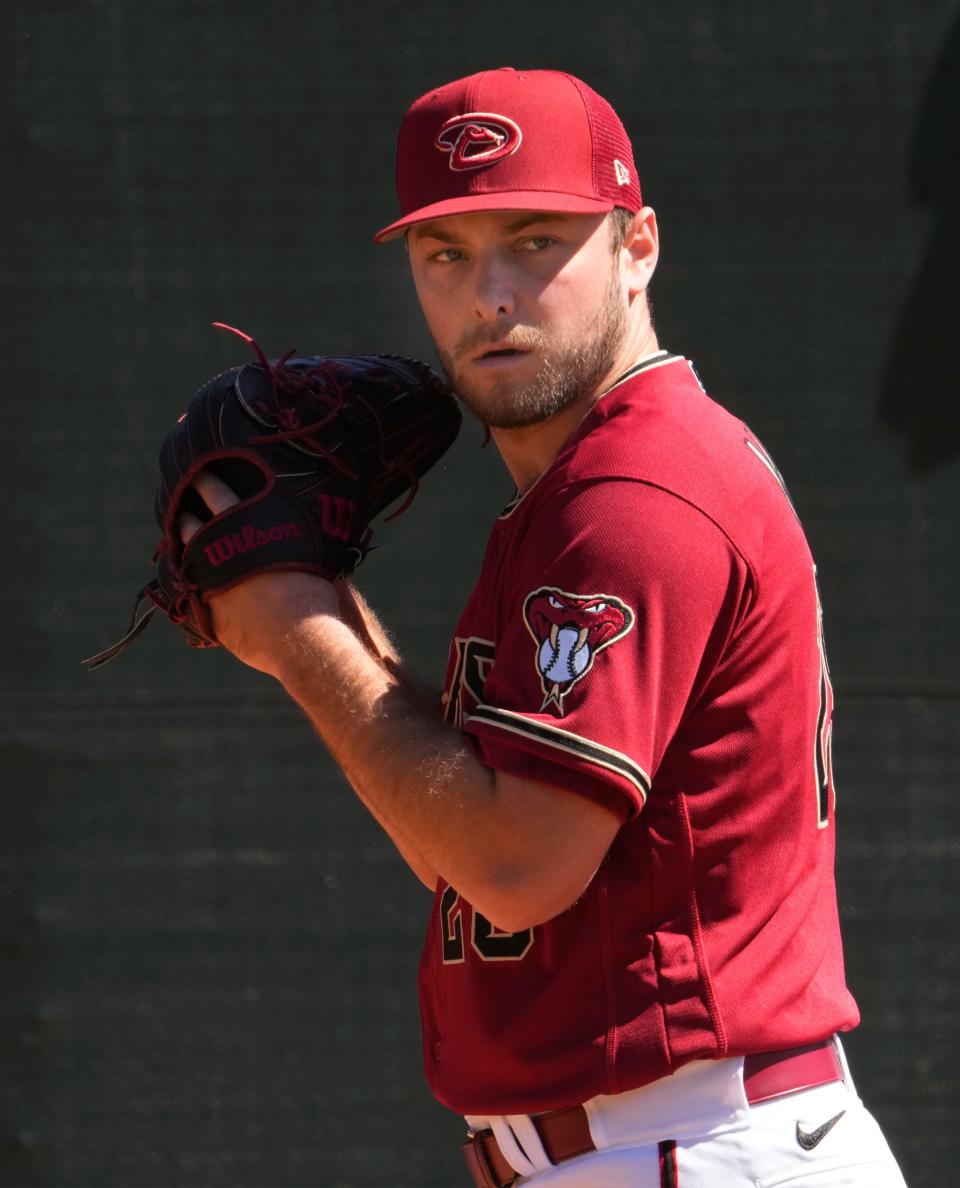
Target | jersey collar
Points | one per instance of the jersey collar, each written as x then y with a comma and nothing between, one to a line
647,363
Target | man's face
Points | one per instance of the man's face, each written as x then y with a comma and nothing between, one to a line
527,310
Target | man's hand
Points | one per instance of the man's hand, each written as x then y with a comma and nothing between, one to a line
255,618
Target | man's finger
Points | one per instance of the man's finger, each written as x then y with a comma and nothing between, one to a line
188,524
214,492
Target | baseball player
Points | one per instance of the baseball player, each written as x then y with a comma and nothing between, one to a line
625,811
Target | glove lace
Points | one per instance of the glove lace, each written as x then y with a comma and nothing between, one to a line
293,383
179,609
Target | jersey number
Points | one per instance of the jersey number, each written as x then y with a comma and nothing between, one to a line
474,659
488,942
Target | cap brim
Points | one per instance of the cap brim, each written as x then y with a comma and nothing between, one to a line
515,200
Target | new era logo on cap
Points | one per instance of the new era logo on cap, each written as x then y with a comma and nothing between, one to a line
478,138
458,149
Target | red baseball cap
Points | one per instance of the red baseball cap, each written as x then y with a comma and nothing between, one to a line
512,140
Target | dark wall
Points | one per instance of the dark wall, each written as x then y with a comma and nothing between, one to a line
209,951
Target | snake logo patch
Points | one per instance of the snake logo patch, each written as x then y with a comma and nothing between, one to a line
478,138
569,631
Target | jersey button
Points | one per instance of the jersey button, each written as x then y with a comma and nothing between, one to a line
437,1050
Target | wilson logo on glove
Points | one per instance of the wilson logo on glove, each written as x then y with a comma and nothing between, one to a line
225,548
335,438
337,515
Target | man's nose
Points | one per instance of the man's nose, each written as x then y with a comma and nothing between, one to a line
494,294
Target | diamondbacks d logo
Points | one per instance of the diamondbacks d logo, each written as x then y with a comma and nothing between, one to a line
569,631
478,138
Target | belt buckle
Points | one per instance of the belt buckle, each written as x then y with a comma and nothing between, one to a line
479,1166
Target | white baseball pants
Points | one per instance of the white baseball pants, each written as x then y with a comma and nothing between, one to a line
695,1129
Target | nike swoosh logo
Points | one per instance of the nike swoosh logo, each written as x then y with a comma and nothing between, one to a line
809,1141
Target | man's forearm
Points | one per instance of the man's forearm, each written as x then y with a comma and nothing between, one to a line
411,769
518,849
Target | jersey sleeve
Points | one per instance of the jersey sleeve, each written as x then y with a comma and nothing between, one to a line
620,602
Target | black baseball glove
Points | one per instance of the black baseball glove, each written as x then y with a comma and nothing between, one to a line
315,448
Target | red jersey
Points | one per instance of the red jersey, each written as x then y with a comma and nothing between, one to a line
646,632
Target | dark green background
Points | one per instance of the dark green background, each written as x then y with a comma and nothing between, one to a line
209,951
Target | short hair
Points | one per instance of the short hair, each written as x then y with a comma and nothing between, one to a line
620,220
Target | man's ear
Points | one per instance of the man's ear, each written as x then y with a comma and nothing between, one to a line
641,249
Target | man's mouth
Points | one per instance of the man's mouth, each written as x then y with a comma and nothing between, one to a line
499,354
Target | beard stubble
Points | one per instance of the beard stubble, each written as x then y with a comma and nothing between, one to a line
569,369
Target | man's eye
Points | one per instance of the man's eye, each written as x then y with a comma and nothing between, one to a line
537,243
447,255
